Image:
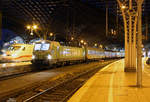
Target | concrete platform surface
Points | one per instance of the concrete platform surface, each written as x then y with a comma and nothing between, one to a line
112,84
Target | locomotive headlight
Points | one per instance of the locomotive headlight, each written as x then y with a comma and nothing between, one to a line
4,55
49,57
33,56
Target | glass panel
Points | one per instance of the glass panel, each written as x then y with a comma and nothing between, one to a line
14,48
37,47
45,46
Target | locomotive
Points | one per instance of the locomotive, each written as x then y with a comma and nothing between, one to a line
17,53
51,52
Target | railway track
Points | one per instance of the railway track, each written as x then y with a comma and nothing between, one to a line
58,90
62,91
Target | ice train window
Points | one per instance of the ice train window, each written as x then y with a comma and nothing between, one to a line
14,48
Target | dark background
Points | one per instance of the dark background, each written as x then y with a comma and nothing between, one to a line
81,19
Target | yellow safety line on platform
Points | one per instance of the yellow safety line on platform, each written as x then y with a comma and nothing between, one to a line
90,82
110,93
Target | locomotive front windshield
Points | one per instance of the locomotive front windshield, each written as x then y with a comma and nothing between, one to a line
14,48
42,47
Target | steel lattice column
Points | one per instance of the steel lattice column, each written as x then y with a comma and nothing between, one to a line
129,13
139,44
0,20
0,25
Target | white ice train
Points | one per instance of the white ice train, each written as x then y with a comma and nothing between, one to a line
17,53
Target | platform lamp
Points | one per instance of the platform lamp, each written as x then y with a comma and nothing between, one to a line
31,28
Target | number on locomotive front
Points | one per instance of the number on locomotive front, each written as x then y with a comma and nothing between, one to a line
41,50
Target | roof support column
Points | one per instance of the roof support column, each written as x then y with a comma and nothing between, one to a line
0,23
139,44
129,14
133,52
106,20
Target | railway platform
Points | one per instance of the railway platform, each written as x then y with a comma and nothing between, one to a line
7,69
112,84
14,64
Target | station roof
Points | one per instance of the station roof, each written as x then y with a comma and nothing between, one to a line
44,11
47,13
